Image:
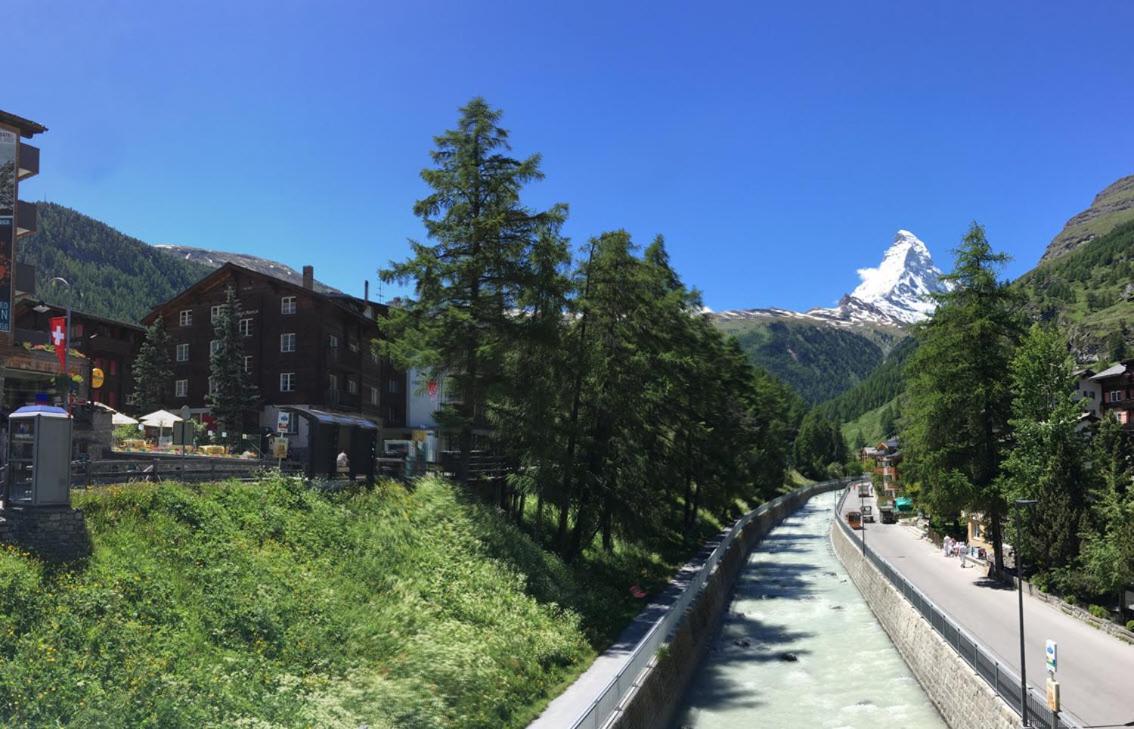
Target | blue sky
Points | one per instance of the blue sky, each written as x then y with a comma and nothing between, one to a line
777,146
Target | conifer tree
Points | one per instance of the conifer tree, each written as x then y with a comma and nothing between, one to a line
469,280
1048,457
231,394
152,370
958,390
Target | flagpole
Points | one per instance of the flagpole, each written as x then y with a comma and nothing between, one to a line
66,344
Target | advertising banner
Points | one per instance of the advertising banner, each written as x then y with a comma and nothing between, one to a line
9,148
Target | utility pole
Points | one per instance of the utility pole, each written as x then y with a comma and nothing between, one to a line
1020,504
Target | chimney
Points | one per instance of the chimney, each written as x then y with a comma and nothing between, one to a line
309,277
366,291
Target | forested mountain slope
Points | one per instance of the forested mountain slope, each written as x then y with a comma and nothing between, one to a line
111,274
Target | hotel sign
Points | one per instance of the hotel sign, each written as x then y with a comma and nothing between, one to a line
9,149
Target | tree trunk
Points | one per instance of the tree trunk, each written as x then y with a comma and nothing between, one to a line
539,515
607,535
996,528
520,509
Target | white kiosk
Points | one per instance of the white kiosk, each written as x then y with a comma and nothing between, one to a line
39,456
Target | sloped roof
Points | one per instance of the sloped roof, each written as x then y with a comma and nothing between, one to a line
1112,371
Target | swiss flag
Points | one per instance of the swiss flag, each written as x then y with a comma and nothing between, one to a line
59,338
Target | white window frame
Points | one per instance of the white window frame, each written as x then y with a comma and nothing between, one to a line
373,395
214,346
352,385
333,381
185,318
212,385
1114,396
215,311
287,305
287,382
182,348
247,363
287,342
245,327
333,341
181,388
393,387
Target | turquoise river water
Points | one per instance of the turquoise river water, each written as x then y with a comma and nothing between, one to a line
800,648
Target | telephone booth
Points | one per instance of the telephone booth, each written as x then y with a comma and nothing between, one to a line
39,456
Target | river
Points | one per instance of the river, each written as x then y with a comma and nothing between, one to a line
800,648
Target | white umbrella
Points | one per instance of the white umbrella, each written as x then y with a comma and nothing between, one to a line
160,419
121,419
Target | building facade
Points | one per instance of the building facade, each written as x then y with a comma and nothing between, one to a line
1116,391
302,348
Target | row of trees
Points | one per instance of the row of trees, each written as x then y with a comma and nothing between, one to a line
990,417
626,411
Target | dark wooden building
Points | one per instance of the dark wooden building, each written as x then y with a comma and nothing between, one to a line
302,348
106,344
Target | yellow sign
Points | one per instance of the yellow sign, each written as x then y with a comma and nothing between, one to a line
1052,694
97,377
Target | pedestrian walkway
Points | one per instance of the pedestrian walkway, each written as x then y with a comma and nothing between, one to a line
1096,670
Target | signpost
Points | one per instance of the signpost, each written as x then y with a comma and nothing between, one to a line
283,421
1050,656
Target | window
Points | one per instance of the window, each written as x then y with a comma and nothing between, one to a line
287,305
287,382
247,363
287,342
212,386
181,388
334,380
245,327
352,344
373,395
1091,394
352,385
1114,396
215,312
333,341
186,317
393,387
214,346
183,353
113,366
374,355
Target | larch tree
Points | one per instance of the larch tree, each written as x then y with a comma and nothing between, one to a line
469,278
958,390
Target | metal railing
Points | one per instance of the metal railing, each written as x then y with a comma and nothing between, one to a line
1004,680
601,709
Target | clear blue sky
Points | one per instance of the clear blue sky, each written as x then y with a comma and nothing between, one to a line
777,146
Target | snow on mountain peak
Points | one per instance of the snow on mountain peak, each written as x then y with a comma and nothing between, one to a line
898,291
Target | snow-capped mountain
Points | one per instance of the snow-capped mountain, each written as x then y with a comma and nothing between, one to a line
899,291
895,293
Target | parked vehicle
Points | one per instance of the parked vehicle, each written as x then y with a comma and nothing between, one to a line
888,515
854,519
868,513
864,489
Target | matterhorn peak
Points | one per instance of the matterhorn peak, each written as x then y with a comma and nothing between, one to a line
898,291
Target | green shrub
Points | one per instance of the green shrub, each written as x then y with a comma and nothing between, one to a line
1070,600
272,604
1099,611
1130,625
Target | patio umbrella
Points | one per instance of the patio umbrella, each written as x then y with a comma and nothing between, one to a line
160,419
121,419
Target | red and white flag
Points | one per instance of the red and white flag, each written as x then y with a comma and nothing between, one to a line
59,338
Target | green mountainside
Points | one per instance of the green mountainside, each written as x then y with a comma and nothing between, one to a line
1110,208
111,274
881,387
1089,292
816,359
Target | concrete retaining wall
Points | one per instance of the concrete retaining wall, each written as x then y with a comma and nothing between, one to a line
662,685
964,699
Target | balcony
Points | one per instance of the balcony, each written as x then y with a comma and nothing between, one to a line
29,161
25,218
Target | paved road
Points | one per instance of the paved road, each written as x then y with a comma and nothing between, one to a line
1096,671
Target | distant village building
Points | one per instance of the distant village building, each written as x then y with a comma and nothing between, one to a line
304,350
1116,391
1088,392
883,460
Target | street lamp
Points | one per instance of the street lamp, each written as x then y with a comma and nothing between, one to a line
862,520
1022,504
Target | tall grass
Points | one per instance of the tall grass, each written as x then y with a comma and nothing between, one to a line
272,605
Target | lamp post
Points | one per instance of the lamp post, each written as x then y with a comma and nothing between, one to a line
862,520
1022,504
66,341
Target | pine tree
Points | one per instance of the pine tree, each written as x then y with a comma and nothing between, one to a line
958,390
1107,556
469,281
152,370
231,394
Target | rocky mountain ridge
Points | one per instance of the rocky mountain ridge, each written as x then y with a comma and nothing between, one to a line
1110,208
216,259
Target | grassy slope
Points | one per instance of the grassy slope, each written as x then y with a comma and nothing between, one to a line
869,424
1084,291
270,605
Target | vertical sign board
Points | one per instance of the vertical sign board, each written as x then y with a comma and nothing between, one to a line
9,149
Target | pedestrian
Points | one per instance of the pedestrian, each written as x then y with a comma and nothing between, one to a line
342,464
